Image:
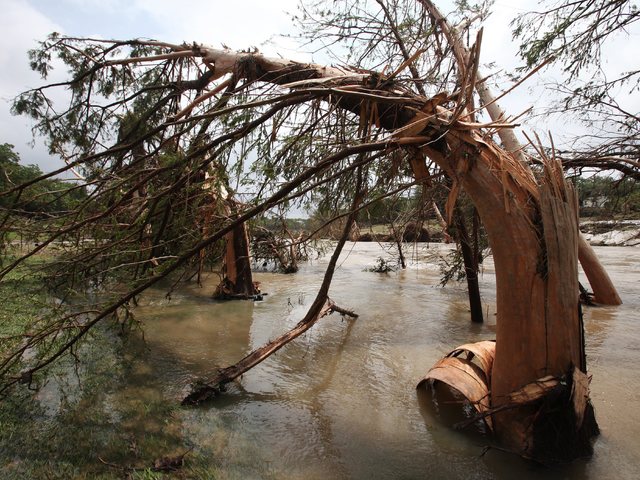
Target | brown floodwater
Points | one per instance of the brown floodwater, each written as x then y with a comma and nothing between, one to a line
340,401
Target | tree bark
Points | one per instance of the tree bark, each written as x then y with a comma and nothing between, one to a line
533,233
600,281
237,281
470,267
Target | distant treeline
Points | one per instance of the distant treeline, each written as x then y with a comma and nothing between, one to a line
606,196
52,196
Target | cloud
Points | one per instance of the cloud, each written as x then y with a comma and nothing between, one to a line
239,24
21,27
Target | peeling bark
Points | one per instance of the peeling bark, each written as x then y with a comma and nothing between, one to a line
600,281
237,282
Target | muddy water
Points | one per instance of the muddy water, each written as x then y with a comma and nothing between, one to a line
340,402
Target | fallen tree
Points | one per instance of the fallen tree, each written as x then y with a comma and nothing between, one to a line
316,125
321,306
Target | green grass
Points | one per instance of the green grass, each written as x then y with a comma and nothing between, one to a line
87,411
23,299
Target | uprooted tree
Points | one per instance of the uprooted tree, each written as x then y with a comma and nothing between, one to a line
200,118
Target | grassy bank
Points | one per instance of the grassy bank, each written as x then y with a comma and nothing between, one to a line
101,417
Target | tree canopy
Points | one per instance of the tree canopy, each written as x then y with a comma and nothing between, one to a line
597,92
177,145
50,197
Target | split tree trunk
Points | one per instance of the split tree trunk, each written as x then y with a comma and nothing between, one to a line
237,281
533,233
601,284
532,230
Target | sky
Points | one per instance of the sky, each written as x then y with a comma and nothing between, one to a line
238,24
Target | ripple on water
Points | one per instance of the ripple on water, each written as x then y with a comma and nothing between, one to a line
340,401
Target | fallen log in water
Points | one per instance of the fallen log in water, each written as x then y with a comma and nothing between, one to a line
321,306
215,386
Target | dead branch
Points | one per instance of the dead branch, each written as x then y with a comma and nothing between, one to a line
321,306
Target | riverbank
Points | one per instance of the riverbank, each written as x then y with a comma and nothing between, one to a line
599,233
611,233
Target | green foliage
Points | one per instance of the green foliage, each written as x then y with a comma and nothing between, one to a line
572,31
606,196
451,267
78,412
388,210
382,266
23,300
573,34
85,414
82,127
44,198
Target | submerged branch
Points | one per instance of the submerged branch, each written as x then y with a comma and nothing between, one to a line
320,307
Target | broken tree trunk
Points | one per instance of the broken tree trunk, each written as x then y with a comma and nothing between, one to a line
599,280
601,284
237,281
442,222
320,307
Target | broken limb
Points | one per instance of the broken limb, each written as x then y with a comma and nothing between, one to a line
603,289
321,306
343,311
212,388
604,292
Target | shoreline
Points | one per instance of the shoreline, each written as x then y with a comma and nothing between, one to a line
611,233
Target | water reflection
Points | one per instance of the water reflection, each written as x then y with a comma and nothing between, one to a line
340,401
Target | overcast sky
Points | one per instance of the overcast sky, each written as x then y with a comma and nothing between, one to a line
238,24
